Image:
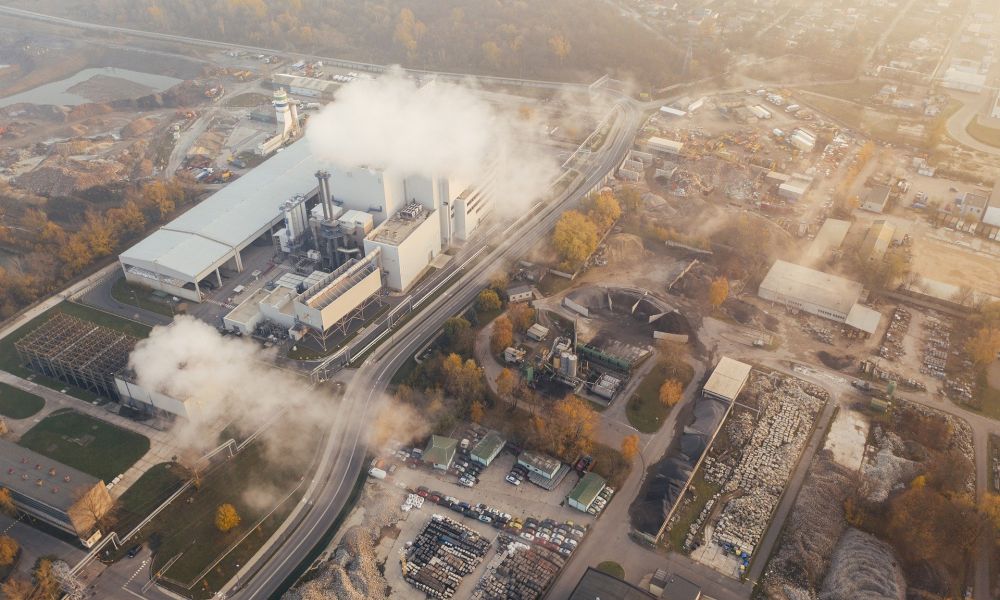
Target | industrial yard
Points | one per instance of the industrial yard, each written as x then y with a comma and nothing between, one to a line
337,329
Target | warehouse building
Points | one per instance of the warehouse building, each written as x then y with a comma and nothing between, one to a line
877,240
586,491
152,402
440,452
828,240
488,448
876,198
664,146
597,585
77,352
309,87
53,493
295,202
811,291
727,380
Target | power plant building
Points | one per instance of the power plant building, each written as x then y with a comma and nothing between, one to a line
54,493
296,202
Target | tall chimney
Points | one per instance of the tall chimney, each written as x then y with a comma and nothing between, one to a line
323,177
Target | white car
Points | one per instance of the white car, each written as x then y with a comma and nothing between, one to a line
513,480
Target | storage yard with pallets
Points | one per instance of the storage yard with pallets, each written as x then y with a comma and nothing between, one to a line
761,448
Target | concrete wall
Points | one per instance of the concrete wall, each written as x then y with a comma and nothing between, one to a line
151,399
405,262
813,309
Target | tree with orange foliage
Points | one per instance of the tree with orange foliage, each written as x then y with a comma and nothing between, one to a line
718,291
521,316
506,381
226,517
502,336
630,447
983,346
571,426
477,410
671,392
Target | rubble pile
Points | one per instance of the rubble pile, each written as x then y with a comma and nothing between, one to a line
818,332
863,567
816,523
518,571
58,176
787,413
886,469
351,571
441,556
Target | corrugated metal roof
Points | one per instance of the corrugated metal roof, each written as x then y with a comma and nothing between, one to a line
728,378
587,489
863,318
800,283
231,217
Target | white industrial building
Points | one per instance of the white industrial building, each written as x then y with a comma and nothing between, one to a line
664,146
727,379
152,401
812,291
309,87
409,241
271,205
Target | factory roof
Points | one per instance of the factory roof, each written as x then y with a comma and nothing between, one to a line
249,308
877,195
863,318
665,144
440,450
829,237
814,287
206,234
877,240
539,462
728,379
33,475
489,446
675,587
306,83
597,585
395,230
587,489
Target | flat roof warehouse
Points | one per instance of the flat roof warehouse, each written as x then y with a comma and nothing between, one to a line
213,231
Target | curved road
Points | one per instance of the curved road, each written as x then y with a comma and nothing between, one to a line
344,454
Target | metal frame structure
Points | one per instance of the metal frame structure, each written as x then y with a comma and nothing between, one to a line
77,352
320,296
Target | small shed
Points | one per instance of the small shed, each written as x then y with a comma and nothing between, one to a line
727,380
586,491
488,448
546,466
520,293
538,332
440,451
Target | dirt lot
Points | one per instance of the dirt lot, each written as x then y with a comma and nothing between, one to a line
950,263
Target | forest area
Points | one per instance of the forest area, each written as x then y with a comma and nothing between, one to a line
571,40
47,242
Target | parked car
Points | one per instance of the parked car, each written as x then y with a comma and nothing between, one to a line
511,479
134,551
422,492
485,518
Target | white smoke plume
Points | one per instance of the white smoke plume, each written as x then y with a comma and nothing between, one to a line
435,129
230,381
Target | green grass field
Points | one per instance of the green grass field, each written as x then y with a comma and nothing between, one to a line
187,527
17,403
611,568
126,293
688,513
147,493
86,443
644,410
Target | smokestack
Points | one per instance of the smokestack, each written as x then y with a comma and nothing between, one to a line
324,193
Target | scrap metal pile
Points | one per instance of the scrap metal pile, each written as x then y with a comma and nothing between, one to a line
519,571
936,346
443,553
892,342
788,409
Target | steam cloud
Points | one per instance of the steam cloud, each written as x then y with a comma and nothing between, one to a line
438,129
231,381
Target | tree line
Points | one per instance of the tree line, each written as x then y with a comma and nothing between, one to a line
49,253
557,39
